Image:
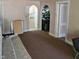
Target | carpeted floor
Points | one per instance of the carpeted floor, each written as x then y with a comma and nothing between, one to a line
40,45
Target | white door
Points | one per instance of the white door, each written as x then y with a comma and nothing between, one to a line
63,19
33,18
62,14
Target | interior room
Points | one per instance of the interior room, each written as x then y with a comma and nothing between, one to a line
39,29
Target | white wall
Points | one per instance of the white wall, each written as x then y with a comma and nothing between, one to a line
15,9
1,18
0,29
74,17
0,43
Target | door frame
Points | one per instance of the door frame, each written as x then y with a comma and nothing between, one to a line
56,21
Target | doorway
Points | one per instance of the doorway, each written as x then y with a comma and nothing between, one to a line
61,19
33,18
46,18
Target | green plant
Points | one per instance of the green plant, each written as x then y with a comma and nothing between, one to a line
46,12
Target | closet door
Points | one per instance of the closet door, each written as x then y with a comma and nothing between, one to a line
17,26
63,19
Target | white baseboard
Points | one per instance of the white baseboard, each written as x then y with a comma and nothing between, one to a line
69,42
18,33
25,30
52,34
28,30
31,30
39,28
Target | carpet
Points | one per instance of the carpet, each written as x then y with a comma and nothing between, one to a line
40,45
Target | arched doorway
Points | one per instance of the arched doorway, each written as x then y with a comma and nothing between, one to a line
45,18
33,18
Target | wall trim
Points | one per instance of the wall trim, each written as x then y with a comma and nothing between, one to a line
31,30
52,34
68,42
67,16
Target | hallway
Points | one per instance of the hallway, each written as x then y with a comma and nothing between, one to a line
40,45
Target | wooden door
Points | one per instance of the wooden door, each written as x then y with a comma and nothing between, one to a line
17,26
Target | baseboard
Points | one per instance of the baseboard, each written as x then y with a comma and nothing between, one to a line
26,30
68,42
55,35
52,34
31,30
39,28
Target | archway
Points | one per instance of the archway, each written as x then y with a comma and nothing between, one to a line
33,18
45,18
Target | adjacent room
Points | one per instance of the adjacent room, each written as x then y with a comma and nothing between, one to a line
39,29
